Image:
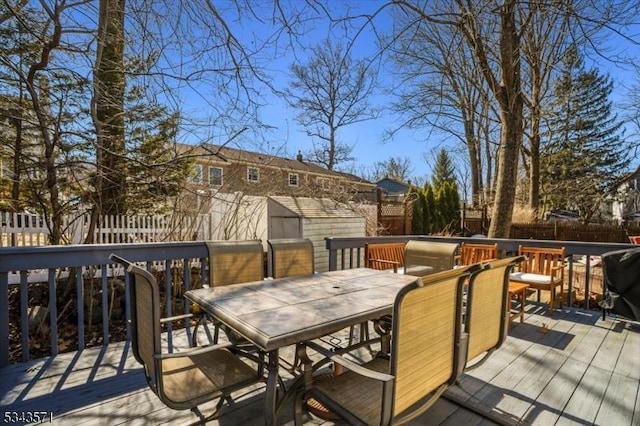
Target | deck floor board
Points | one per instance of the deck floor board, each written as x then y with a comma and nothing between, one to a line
573,368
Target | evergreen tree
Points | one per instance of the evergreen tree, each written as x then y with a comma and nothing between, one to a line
586,152
431,216
417,221
448,201
443,170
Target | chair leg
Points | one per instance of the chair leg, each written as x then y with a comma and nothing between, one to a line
298,409
552,302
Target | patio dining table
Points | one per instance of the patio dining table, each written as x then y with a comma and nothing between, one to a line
276,313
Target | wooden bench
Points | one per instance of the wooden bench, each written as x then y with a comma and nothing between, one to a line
384,256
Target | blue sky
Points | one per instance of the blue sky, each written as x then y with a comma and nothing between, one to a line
369,146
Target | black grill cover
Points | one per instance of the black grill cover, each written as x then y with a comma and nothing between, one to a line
622,282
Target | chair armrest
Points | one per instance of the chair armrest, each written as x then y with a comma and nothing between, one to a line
175,318
191,352
352,366
555,269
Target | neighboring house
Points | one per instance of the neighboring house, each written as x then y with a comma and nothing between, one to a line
228,170
626,205
392,189
556,215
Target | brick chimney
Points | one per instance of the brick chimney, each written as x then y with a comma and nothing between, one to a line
299,156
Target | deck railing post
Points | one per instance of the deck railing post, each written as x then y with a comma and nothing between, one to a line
4,319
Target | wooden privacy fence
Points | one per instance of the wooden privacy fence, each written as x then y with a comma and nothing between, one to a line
571,231
394,217
27,229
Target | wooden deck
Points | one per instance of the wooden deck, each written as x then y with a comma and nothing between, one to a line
572,369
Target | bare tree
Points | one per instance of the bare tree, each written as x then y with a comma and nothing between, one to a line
398,168
331,91
441,88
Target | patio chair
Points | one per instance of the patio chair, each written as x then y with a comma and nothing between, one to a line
384,256
487,310
543,269
475,253
427,257
182,380
230,262
622,283
234,262
485,325
290,257
422,363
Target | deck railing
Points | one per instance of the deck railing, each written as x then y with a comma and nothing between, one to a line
22,268
25,271
348,252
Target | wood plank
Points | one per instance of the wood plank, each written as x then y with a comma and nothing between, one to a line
581,371
586,399
618,409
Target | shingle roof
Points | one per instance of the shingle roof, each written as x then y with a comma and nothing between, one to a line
316,208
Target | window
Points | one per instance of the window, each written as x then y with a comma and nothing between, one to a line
253,174
215,176
293,179
197,177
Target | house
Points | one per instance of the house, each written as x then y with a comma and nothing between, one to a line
626,205
228,170
392,189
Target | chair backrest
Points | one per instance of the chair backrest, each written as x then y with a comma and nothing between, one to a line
474,253
375,253
233,262
145,318
425,312
486,316
290,257
428,257
541,260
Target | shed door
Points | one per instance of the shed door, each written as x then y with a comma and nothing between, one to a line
285,227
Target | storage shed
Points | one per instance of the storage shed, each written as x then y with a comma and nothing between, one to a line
315,219
241,217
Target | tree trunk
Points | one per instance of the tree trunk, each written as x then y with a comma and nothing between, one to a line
509,96
109,108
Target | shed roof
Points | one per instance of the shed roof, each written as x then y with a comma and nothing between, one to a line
316,207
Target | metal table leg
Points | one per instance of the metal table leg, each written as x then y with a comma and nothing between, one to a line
270,399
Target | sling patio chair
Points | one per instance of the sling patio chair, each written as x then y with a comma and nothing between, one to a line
487,312
485,327
427,257
186,379
230,262
290,257
543,269
423,362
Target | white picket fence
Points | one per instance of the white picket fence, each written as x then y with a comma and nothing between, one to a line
27,229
